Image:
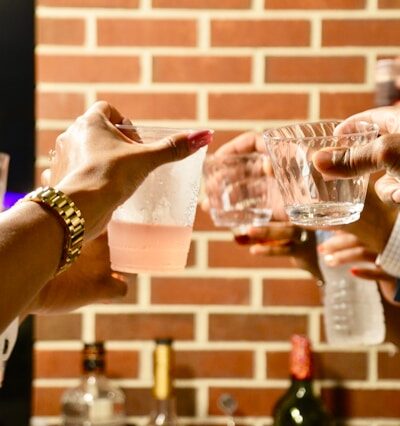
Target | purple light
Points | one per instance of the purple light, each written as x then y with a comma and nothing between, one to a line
11,198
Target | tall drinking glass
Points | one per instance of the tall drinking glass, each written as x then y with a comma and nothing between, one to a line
151,231
4,162
311,199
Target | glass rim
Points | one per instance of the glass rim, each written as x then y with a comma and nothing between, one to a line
371,128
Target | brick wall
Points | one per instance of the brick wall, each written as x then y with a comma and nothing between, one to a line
232,65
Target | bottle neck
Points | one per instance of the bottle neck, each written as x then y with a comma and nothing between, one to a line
162,361
300,359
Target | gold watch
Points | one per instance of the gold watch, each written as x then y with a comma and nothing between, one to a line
70,217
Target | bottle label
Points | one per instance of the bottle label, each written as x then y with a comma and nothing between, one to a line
101,409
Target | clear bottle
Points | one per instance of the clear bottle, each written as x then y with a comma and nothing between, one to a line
353,310
95,402
300,405
163,412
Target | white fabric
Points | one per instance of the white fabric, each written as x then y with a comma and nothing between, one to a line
7,342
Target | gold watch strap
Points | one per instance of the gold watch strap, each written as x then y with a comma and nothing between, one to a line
69,215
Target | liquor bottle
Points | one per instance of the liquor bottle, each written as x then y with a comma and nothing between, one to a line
300,405
353,310
163,412
95,401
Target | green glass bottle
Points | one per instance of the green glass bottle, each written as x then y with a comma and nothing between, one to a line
300,405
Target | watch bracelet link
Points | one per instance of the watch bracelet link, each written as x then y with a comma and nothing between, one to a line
70,217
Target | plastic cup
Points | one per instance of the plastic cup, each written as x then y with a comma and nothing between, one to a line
310,199
151,231
4,162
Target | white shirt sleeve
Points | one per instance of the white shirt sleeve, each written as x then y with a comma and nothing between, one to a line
389,259
7,342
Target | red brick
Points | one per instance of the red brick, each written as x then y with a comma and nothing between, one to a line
206,69
258,106
90,3
60,31
87,69
155,106
227,254
318,69
59,105
388,4
45,140
315,4
203,221
146,32
200,291
144,326
58,327
46,401
191,260
213,364
221,137
389,365
202,4
294,292
255,327
327,365
259,33
342,105
251,401
349,403
139,401
361,32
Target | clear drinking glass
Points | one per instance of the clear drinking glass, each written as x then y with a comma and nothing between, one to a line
151,231
242,196
310,199
4,162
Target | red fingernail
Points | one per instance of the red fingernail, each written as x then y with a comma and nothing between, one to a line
354,271
200,139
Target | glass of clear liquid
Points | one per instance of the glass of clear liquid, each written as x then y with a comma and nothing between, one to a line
310,199
242,196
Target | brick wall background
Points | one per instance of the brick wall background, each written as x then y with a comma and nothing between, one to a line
232,65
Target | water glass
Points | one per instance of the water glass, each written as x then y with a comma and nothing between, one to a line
311,199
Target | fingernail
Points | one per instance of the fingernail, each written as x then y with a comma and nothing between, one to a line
200,139
354,271
396,196
323,159
330,260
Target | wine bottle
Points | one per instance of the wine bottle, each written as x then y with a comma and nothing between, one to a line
95,401
163,412
300,405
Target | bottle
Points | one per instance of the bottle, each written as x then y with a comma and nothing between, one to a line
163,412
95,401
300,405
353,310
387,75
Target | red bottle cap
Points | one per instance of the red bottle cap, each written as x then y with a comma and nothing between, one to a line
300,358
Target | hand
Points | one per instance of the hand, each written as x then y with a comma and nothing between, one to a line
345,248
99,167
88,280
383,153
291,241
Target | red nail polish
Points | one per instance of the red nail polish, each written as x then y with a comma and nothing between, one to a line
200,139
354,271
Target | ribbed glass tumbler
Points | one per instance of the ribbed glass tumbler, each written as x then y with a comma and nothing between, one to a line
311,199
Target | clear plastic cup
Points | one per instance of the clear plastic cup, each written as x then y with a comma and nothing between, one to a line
4,162
311,199
151,231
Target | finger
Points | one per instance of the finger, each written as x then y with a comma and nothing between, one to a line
276,231
129,130
373,274
113,288
388,189
387,119
106,109
178,146
338,242
263,250
45,177
205,204
383,153
351,255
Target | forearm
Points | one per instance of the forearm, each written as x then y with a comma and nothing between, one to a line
30,250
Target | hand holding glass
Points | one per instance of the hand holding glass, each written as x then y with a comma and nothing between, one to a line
310,199
151,231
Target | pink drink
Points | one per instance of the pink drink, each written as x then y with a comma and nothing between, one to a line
136,247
